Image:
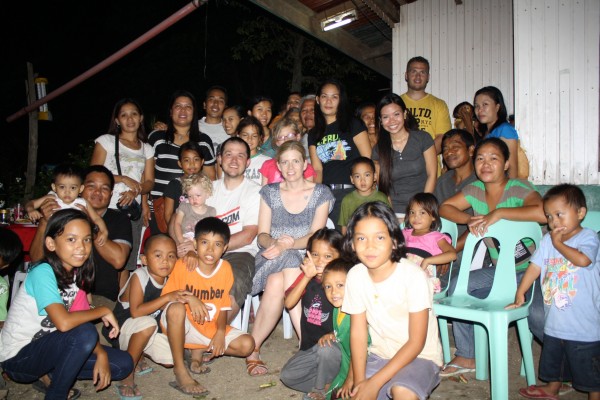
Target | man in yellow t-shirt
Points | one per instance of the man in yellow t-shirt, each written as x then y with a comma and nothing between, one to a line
431,113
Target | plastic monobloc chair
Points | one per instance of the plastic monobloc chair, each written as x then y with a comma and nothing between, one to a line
242,320
489,314
449,228
592,220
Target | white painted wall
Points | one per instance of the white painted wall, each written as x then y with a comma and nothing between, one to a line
469,46
556,81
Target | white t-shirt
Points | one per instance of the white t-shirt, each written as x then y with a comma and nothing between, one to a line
133,163
253,171
388,304
237,208
63,206
216,132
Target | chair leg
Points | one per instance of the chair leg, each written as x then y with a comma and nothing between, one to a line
525,339
481,352
443,327
246,313
498,332
287,325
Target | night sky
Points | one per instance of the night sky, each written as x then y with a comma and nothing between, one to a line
65,38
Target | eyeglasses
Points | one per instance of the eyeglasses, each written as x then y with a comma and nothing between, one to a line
289,136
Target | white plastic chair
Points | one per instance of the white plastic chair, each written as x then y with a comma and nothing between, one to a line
242,320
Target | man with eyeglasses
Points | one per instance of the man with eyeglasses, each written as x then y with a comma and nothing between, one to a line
431,113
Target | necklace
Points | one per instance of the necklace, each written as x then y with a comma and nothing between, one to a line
398,144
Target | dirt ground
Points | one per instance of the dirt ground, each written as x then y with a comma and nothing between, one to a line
229,380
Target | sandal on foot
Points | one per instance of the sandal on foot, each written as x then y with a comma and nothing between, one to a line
565,388
143,368
201,370
40,387
458,371
207,358
315,394
188,389
258,366
534,392
122,387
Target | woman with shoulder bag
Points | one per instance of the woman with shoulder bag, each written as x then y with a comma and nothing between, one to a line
125,152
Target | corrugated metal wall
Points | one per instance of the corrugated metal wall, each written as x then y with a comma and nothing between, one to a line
556,81
468,46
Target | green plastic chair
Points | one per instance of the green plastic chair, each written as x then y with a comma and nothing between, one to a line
449,228
488,315
592,220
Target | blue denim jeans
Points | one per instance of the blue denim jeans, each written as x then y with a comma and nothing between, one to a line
66,356
480,285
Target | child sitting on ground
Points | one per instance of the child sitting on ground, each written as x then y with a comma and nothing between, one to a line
567,263
190,162
197,188
10,250
334,285
199,321
139,307
425,244
390,298
67,184
314,366
364,179
250,131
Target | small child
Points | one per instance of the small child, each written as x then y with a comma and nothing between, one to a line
364,179
316,324
567,263
199,321
285,130
334,285
425,244
67,184
390,298
197,188
250,131
11,249
139,307
191,162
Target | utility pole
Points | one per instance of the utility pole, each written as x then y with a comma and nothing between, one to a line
33,135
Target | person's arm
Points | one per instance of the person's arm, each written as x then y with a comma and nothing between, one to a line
359,335
147,182
531,210
453,209
431,165
315,161
36,250
99,155
217,343
243,237
446,257
31,207
264,238
169,208
362,143
65,321
114,253
531,274
137,306
101,374
513,159
417,334
210,171
572,254
177,227
293,296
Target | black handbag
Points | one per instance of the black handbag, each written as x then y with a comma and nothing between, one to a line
133,210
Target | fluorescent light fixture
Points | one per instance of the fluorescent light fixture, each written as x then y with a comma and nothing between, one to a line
341,19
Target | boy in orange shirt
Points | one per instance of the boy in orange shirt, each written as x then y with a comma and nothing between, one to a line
199,321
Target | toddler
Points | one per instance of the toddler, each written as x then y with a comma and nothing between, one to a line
364,179
197,188
425,244
390,298
316,324
67,184
567,263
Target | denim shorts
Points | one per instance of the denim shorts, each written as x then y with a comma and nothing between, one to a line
569,360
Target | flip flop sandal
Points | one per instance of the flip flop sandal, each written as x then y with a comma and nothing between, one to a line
143,368
133,387
181,389
459,370
534,392
203,368
74,394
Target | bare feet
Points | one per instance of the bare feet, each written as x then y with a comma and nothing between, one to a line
198,367
186,384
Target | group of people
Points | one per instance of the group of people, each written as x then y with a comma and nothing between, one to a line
331,216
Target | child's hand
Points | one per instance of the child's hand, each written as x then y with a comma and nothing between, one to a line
308,266
191,260
101,238
184,248
198,309
34,215
425,263
519,301
134,186
327,340
217,344
101,374
557,235
177,295
365,390
110,320
344,391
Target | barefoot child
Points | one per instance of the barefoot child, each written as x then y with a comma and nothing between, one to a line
197,188
390,298
139,307
334,285
567,263
314,366
199,321
425,244
40,322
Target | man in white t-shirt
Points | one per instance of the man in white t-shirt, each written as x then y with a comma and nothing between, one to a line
236,200
212,124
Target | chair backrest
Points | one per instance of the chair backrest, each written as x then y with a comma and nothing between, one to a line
450,228
592,220
508,234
